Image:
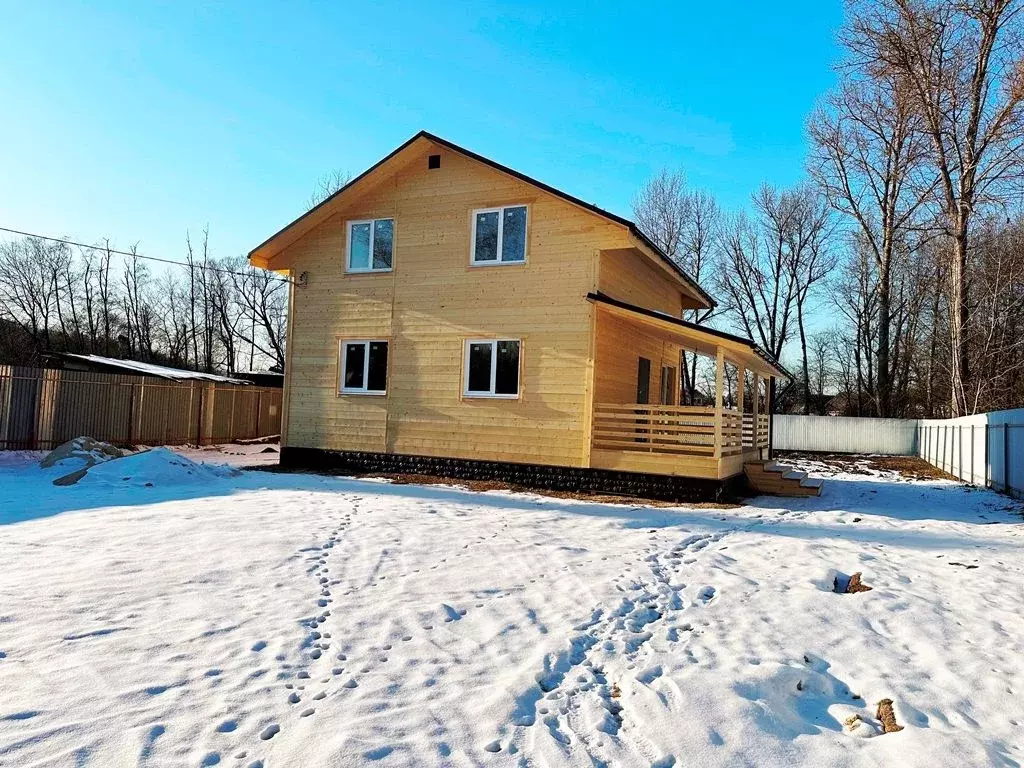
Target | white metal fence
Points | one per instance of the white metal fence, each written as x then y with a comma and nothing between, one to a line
842,434
986,449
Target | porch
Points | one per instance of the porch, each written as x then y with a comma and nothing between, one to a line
639,356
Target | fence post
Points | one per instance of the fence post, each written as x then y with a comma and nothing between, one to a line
259,408
972,455
986,452
199,416
231,418
168,393
1006,457
131,415
960,451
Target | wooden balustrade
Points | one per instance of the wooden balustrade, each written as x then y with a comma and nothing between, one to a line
750,440
668,429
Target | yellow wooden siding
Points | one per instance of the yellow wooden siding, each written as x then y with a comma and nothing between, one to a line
616,358
629,275
430,303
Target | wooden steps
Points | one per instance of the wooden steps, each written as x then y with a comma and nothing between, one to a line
780,480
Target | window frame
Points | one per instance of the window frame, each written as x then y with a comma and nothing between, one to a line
348,245
343,345
491,395
498,262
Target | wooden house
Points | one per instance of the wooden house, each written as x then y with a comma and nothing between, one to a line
451,316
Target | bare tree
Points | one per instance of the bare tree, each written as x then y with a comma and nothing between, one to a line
27,291
262,302
962,64
868,153
685,224
138,307
327,185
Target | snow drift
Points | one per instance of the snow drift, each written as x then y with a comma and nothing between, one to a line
156,467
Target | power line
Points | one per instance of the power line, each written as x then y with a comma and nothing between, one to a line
137,255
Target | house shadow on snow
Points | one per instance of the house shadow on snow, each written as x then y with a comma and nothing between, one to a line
26,493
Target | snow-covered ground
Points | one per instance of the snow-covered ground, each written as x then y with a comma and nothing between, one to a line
163,614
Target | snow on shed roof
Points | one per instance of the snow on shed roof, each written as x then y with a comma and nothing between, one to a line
151,369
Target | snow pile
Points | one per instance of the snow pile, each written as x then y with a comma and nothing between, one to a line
157,467
296,620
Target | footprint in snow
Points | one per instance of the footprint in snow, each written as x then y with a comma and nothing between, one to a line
649,675
270,731
259,645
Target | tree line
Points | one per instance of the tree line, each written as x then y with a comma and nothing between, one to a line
907,232
209,314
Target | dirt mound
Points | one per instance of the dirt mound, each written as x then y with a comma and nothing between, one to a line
84,448
83,453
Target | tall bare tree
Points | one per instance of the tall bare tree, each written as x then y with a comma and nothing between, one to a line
685,224
869,150
962,64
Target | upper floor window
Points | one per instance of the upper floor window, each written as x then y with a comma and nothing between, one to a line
499,235
492,368
364,367
371,245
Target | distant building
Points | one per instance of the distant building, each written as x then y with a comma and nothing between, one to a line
99,364
261,378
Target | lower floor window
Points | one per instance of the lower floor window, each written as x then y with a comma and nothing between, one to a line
364,367
492,368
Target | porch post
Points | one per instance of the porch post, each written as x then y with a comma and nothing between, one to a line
741,374
719,382
756,404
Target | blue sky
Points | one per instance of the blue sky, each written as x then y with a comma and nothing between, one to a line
139,121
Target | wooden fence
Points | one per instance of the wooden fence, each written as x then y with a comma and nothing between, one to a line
42,408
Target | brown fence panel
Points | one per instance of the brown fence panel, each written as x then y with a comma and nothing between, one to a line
42,408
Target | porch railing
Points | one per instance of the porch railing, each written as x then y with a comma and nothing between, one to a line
668,429
755,438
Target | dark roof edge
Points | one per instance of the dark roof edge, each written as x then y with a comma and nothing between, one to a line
605,299
631,226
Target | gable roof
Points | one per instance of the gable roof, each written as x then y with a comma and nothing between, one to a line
631,226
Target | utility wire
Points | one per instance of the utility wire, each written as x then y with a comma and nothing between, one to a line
138,255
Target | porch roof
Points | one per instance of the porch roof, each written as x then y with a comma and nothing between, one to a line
694,337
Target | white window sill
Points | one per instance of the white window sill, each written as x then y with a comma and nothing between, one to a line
497,263
368,271
371,392
489,396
